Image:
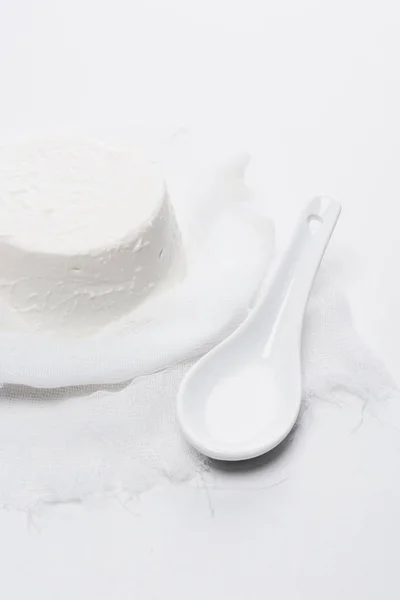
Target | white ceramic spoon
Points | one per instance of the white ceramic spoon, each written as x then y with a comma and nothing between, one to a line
243,398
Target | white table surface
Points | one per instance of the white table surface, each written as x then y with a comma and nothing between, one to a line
312,89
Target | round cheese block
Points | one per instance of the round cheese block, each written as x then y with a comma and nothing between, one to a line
87,232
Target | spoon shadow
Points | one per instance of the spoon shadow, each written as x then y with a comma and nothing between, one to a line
273,461
263,462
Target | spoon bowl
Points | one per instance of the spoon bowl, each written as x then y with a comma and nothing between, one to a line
243,398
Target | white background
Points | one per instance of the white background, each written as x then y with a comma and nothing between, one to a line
312,89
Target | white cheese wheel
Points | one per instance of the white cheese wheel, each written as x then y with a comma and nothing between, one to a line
86,232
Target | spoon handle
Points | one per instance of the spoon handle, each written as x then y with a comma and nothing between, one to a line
282,308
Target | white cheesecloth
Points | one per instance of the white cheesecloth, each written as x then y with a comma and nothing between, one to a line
79,418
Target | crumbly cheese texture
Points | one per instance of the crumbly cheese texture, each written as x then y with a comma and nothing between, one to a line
86,232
